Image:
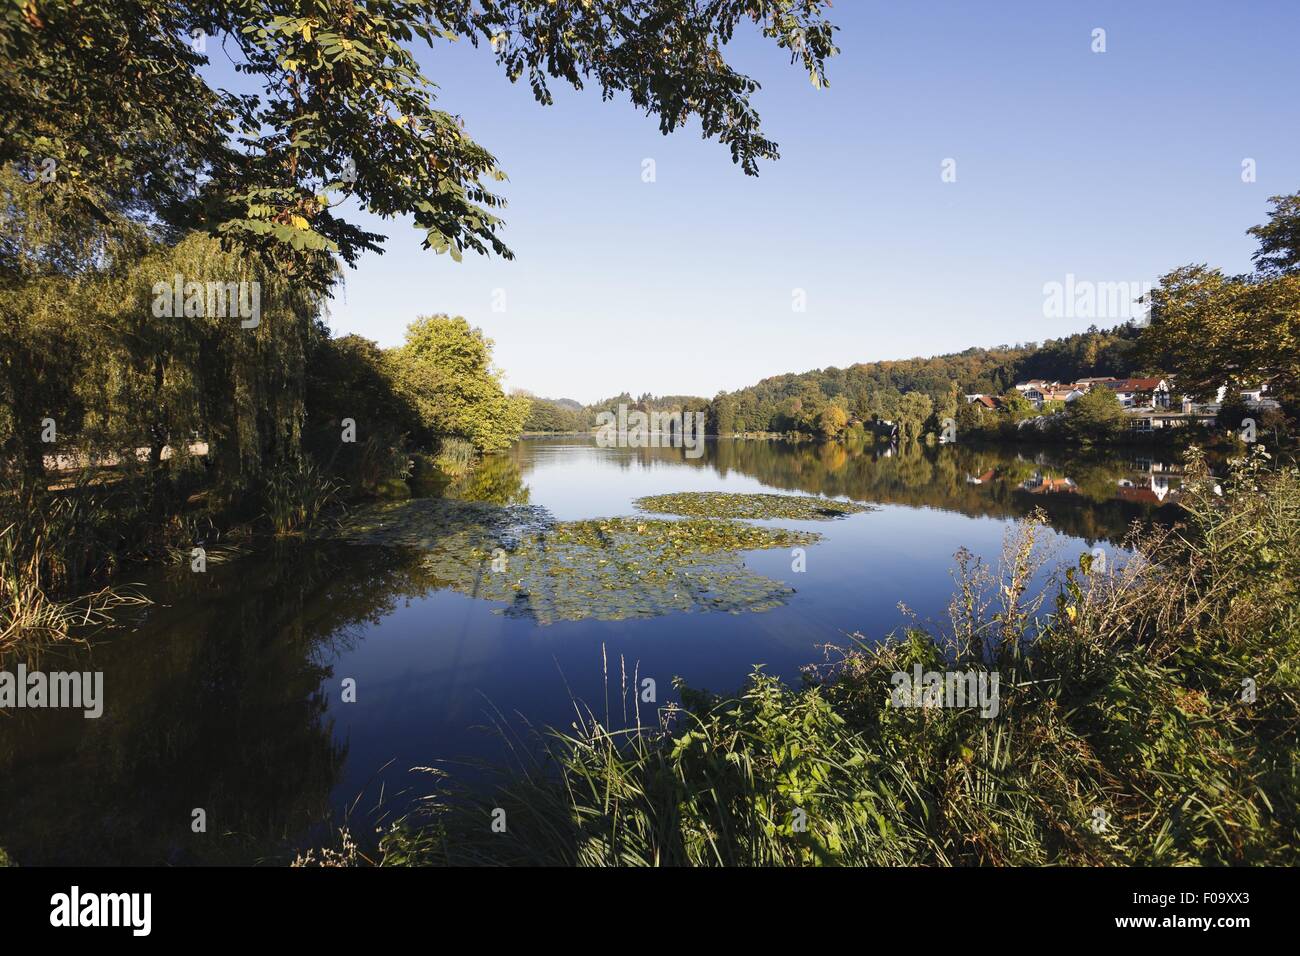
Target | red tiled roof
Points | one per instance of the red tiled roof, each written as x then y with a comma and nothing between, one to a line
1134,384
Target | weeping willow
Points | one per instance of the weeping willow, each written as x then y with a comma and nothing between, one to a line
165,381
125,428
90,372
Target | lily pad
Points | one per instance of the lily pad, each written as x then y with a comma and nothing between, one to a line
717,504
603,569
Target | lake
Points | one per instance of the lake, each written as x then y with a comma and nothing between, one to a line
227,695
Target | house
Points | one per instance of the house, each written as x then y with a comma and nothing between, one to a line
1084,384
1035,383
1140,392
990,402
1062,393
1253,397
1154,419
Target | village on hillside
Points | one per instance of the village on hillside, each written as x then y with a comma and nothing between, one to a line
1149,402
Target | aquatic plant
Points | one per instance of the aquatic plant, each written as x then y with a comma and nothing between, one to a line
47,558
455,456
297,493
604,568
716,504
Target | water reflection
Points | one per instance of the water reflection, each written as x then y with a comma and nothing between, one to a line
1090,496
214,701
225,694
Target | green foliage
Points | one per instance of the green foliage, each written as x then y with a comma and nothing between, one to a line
1279,238
445,371
1215,330
1096,416
337,108
831,422
297,494
1212,329
913,410
545,415
875,391
50,551
455,456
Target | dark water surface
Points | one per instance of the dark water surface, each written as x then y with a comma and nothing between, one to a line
226,694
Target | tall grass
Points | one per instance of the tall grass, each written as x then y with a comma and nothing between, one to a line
47,558
455,456
297,494
1149,715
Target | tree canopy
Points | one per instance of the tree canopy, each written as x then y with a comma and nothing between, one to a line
112,95
445,370
1212,329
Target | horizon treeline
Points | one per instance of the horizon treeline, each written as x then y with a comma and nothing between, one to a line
1207,329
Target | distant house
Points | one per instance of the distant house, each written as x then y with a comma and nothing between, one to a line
1253,397
1084,384
1140,392
1155,419
1035,383
1062,393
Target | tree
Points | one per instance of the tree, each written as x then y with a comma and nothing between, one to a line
1015,407
445,371
1095,416
831,422
113,94
914,408
723,414
1233,410
1279,238
1213,330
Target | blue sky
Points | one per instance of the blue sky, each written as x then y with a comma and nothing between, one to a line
1113,166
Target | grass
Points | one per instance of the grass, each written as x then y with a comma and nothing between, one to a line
455,456
297,494
46,559
1149,715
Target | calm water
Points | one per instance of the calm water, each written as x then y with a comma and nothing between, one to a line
226,695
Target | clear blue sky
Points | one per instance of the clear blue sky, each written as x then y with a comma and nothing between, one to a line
1113,166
